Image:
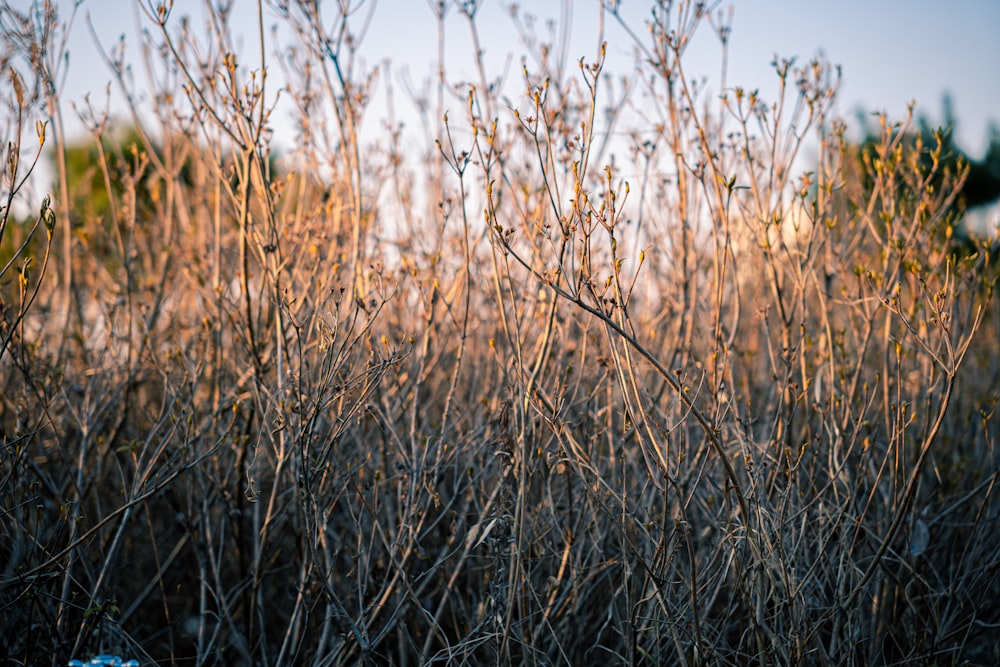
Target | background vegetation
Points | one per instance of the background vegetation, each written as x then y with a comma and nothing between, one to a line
492,402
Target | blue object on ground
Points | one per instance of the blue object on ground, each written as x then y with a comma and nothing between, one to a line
104,661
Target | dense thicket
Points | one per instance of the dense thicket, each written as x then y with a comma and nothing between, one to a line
602,376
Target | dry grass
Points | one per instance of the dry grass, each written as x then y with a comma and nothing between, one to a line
719,412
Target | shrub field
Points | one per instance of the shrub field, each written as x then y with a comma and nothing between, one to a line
614,367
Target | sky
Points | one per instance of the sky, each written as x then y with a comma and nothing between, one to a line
891,52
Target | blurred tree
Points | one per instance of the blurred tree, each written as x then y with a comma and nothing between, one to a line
97,198
114,180
982,185
93,194
967,229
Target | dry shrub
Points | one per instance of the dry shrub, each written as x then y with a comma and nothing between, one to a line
699,407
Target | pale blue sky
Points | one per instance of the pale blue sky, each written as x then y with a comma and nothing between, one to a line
891,52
